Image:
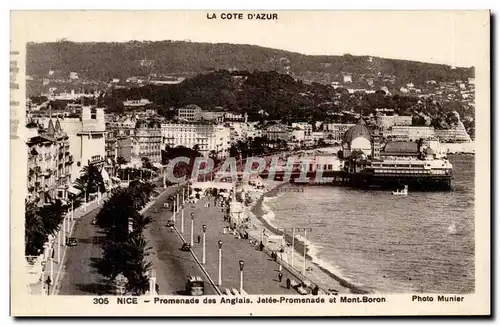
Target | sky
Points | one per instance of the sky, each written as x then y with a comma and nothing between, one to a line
455,38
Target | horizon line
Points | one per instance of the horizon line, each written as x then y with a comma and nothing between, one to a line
63,39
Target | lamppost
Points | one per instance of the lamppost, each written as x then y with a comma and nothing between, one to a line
204,234
182,220
85,202
173,216
192,229
242,264
220,263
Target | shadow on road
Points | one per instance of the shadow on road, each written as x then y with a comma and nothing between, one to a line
96,288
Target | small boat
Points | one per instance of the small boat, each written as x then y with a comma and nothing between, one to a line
402,192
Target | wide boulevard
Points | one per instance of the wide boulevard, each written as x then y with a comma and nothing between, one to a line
171,265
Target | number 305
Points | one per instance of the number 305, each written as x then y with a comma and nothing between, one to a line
101,301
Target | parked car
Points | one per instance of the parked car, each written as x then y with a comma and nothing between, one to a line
186,246
195,286
71,242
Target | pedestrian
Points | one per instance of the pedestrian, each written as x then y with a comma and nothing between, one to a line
280,276
261,246
288,283
199,238
157,288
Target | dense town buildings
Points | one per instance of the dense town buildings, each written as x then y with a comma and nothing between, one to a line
86,136
335,131
278,132
49,163
93,137
193,113
206,137
146,143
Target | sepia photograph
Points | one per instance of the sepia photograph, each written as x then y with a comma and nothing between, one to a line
250,163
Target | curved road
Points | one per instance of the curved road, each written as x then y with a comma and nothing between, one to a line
172,266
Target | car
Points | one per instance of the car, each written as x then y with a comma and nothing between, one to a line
94,221
170,223
71,242
195,286
186,246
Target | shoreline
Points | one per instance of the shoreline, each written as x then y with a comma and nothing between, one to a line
258,211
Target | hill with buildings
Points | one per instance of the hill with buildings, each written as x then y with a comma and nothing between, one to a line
273,96
107,61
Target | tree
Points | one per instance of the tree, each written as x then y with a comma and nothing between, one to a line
52,216
34,233
81,184
137,267
95,182
233,151
125,249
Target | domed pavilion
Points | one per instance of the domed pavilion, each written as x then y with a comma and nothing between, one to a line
357,138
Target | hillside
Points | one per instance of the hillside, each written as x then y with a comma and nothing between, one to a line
103,61
273,96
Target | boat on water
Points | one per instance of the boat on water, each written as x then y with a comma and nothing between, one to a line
402,192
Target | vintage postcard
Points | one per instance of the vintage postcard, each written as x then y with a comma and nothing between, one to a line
237,163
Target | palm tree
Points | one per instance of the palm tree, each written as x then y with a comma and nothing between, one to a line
115,214
81,184
140,222
95,181
137,267
34,233
52,215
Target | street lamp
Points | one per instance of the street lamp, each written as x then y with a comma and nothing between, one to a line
192,229
204,234
220,262
242,264
182,220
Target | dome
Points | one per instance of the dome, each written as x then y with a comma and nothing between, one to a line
356,131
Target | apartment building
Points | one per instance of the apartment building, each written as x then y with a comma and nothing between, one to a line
409,133
146,143
49,164
206,137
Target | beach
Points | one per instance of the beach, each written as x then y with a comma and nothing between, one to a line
262,219
357,237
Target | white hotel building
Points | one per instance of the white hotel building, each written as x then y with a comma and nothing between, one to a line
209,137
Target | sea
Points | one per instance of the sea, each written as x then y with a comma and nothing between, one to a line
423,242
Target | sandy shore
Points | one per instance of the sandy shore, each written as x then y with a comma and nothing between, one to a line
319,275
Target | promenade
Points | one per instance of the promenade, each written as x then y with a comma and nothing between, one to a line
171,266
260,273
